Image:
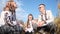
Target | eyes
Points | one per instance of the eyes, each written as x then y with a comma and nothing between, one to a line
30,16
40,7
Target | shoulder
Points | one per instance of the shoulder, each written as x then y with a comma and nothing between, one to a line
48,11
7,12
2,11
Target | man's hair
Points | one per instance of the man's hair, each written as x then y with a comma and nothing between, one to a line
42,4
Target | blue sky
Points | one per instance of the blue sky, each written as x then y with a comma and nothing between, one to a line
26,7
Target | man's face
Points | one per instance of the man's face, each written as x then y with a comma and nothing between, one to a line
41,8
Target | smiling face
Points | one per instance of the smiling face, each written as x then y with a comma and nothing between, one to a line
30,18
42,8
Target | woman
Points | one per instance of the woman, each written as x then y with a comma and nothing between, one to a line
2,16
29,27
12,7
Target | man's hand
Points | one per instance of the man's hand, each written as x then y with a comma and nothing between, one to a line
40,23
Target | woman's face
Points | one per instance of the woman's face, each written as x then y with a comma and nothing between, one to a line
30,18
6,9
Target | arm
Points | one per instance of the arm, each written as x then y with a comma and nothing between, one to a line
40,22
50,16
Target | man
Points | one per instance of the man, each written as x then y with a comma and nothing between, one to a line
45,20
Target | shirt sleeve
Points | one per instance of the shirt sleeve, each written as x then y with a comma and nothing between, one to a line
50,17
39,18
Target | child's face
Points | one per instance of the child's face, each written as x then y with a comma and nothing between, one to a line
30,17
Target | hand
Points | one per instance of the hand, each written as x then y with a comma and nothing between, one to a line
21,25
40,23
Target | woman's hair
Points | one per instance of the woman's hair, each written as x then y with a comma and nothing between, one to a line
28,19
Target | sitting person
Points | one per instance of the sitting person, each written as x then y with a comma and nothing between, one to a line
12,6
29,27
45,20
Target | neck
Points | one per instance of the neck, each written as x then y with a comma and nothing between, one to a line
43,12
30,20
